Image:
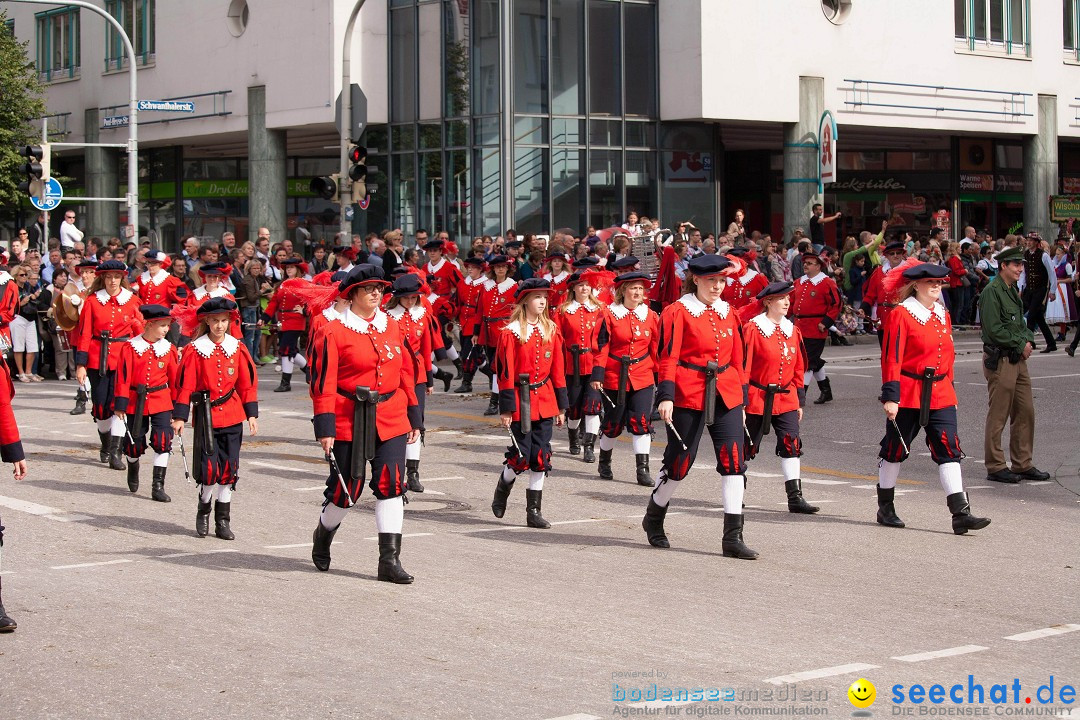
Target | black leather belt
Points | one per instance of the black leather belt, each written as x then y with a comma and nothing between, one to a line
578,350
383,397
702,368
780,391
537,386
918,376
496,319
164,386
111,339
221,400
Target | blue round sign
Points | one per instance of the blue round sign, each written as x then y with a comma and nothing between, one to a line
54,194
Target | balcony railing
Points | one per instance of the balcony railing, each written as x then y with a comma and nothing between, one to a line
892,98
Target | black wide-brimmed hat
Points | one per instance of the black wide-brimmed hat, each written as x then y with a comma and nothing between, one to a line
216,306
434,245
776,289
708,265
111,266
926,271
155,312
363,274
533,284
627,278
406,285
626,261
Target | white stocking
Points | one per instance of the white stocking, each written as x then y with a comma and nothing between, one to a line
665,488
733,494
536,480
951,480
300,361
117,427
790,468
592,424
887,474
389,515
286,366
641,443
224,493
332,515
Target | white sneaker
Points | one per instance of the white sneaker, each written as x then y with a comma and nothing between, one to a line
23,377
62,378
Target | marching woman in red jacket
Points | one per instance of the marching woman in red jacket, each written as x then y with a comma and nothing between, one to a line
145,378
532,382
702,386
744,289
291,307
216,377
775,363
468,304
581,322
496,302
110,316
362,380
417,332
815,305
11,451
628,376
917,391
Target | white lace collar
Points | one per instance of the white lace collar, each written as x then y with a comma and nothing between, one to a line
416,312
331,314
201,292
478,281
140,346
205,346
121,297
5,276
553,279
157,278
574,306
747,276
766,326
437,267
515,328
641,312
506,284
697,308
922,313
816,280
358,324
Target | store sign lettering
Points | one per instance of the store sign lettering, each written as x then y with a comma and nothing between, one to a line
1064,207
983,183
1009,183
871,185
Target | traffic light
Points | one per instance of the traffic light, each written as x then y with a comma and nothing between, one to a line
358,172
326,187
36,169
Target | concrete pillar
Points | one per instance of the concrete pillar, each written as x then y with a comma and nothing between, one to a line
800,156
266,171
102,180
1041,170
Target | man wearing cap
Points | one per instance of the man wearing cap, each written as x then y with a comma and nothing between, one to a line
815,305
1007,344
1038,288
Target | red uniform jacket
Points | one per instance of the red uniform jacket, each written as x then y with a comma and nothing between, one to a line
443,278
151,365
288,304
558,290
874,294
815,300
119,315
164,288
468,302
352,352
915,339
319,321
200,295
542,361
694,333
416,332
496,302
774,356
743,290
219,369
9,304
636,334
11,449
584,326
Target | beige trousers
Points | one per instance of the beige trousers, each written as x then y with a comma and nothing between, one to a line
1010,399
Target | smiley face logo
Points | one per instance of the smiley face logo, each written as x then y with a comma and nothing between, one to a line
862,693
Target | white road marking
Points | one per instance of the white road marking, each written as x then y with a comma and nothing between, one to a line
67,518
934,654
817,481
446,477
44,511
502,438
843,442
1040,482
308,489
406,535
849,374
1044,632
1051,377
754,473
979,487
432,492
272,466
286,547
90,564
578,522
820,673
291,413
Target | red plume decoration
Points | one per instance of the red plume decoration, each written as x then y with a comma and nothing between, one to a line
750,311
737,267
600,280
186,317
667,288
315,298
894,279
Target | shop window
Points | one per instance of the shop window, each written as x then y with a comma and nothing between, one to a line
918,160
994,25
138,19
605,68
567,131
402,65
530,130
456,46
58,44
530,190
639,57
1009,157
861,160
567,57
567,189
530,56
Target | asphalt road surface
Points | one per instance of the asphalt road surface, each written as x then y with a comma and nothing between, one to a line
123,612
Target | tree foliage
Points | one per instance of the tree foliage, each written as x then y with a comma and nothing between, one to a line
22,100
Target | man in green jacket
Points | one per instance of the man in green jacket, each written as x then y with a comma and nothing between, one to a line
1007,344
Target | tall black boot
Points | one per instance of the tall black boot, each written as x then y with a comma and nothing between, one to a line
732,543
390,569
587,448
886,513
202,517
460,369
826,392
962,519
7,623
286,383
320,545
466,383
103,453
653,524
446,378
644,477
412,476
80,403
575,446
502,494
221,521
533,518
604,466
116,455
493,405
796,503
157,493
133,475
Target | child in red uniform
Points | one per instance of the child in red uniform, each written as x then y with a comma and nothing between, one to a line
634,332
775,363
815,305
291,307
145,378
364,349
468,297
496,302
217,375
582,327
556,273
157,286
532,377
109,317
213,276
11,451
744,289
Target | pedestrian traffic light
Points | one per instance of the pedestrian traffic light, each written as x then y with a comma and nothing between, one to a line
358,172
326,187
36,169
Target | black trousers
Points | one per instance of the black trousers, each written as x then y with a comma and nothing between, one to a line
387,472
814,348
728,439
585,401
159,426
221,463
786,428
535,447
102,386
941,436
635,416
1035,307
